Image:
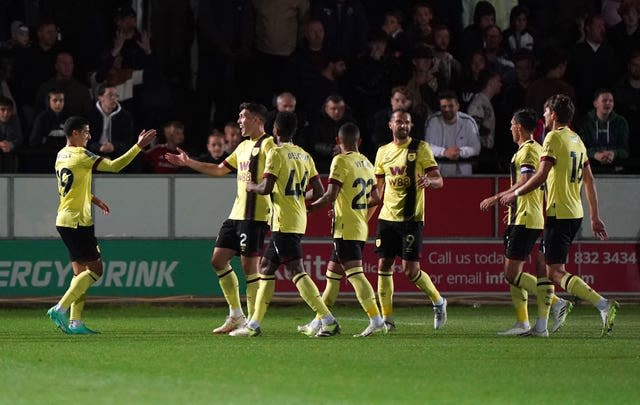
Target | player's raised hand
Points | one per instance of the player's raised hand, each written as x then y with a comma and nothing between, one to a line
179,159
145,137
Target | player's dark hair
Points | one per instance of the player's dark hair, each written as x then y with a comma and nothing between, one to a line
349,133
287,124
526,117
562,105
74,124
256,109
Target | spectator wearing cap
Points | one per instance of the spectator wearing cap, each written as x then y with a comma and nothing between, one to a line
19,37
423,84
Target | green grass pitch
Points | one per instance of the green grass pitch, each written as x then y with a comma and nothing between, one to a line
158,354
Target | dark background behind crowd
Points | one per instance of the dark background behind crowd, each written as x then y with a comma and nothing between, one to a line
184,66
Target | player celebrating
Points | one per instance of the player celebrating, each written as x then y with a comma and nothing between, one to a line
354,197
288,171
525,222
74,165
565,166
404,167
243,233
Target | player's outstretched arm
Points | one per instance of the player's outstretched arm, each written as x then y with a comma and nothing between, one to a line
493,200
533,183
144,138
183,159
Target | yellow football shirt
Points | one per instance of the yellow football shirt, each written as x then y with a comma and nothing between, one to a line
565,149
250,205
354,173
528,207
391,163
74,167
293,169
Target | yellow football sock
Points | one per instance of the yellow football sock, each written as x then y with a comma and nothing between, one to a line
424,283
76,308
79,285
530,284
519,298
543,298
263,297
332,289
385,292
576,286
364,291
253,282
310,294
229,285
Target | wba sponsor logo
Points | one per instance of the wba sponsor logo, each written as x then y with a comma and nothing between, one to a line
398,171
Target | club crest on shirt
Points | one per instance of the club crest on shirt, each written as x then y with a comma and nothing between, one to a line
255,151
411,156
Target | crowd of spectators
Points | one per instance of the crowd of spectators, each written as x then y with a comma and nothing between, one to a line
461,67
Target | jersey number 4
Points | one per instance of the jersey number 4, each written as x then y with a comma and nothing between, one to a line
293,188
